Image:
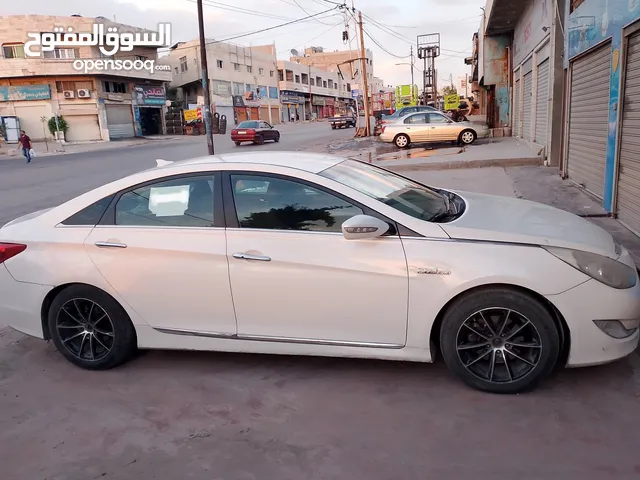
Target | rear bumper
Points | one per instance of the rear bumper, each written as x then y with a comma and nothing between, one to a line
21,303
591,301
243,138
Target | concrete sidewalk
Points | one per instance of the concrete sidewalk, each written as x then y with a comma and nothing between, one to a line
495,152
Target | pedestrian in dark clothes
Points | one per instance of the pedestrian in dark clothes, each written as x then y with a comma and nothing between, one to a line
25,141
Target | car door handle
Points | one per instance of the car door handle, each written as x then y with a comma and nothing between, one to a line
110,245
246,256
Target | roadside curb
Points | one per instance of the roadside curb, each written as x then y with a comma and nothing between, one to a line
459,164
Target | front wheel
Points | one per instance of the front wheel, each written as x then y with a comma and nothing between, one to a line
499,340
402,141
277,138
90,329
467,137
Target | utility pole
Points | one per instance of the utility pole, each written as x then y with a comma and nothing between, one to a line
412,70
205,80
310,95
367,126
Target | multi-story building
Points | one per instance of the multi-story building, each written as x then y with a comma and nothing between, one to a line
243,81
95,104
310,93
330,61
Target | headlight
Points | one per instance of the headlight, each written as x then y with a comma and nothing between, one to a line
605,270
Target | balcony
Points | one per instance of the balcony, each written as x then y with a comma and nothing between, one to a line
315,90
503,15
36,67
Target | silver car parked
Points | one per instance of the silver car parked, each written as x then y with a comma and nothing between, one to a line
431,127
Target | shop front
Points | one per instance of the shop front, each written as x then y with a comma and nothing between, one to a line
149,102
292,106
29,103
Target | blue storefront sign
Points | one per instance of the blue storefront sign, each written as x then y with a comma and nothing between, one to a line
590,23
149,95
290,97
16,93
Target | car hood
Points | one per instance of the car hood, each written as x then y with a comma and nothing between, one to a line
504,219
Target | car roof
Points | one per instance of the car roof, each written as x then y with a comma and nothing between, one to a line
308,162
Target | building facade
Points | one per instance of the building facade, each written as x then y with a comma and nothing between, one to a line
96,105
243,81
310,93
602,140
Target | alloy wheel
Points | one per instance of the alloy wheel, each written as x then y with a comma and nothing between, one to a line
85,329
467,137
499,345
401,141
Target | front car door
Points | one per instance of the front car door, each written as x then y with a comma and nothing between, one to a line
267,131
441,128
161,245
294,276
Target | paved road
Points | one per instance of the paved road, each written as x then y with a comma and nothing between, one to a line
211,416
52,180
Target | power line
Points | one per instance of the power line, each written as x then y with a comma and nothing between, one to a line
243,11
305,11
317,36
382,48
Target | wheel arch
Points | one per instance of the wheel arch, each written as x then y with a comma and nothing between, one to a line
50,297
560,322
404,134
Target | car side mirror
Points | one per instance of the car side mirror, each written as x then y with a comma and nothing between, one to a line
362,227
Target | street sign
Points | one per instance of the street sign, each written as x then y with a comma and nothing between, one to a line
355,93
451,102
192,115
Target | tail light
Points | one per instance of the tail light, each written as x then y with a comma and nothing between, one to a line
251,131
234,132
8,250
383,127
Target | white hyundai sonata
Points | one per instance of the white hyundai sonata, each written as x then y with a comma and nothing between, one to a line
304,254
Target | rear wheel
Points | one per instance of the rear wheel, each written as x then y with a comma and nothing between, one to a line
333,127
90,329
499,340
259,140
238,144
402,141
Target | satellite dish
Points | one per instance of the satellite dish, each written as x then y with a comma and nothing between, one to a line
294,52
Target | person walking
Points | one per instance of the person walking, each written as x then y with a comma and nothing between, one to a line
25,141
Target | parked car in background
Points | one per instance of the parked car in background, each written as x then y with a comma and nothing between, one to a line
431,127
403,112
254,131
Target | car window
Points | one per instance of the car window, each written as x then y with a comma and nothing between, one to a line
278,204
397,192
437,118
416,119
91,215
179,202
250,124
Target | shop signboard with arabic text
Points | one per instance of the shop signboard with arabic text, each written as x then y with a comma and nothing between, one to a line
149,95
16,93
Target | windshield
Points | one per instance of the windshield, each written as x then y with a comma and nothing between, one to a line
248,125
392,190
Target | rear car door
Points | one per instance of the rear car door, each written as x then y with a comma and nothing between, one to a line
161,245
294,276
416,127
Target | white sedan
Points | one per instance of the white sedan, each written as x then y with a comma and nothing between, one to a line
293,253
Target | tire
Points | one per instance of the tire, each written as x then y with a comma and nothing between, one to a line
333,127
104,330
259,140
402,141
467,137
477,319
277,138
238,144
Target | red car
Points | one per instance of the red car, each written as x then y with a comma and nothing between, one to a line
255,131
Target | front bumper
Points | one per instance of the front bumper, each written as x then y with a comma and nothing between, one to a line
21,303
591,301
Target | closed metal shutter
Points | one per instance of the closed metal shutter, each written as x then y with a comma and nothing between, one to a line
589,119
82,128
275,115
542,103
629,176
526,106
30,120
516,109
120,121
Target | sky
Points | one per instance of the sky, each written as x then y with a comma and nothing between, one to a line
391,26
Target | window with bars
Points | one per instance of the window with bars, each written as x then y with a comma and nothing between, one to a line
272,73
249,69
261,71
183,64
281,75
62,86
63,53
114,87
13,50
236,67
219,63
289,76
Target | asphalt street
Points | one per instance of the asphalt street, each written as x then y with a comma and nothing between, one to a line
170,415
51,180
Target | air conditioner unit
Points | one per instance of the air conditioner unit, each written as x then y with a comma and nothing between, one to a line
84,93
69,94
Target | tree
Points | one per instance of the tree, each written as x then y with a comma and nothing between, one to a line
449,90
62,125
